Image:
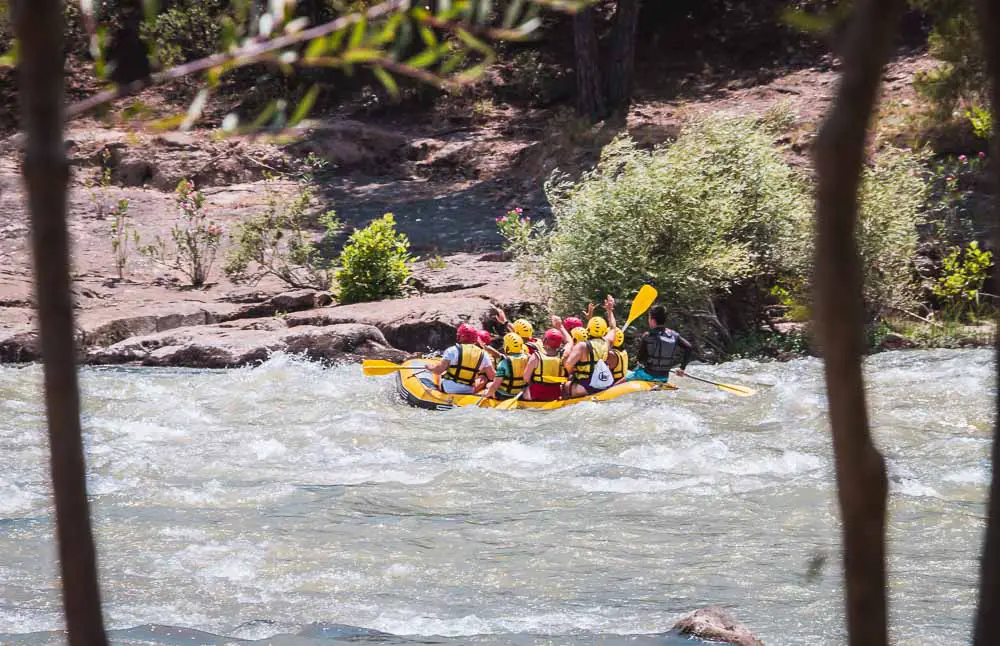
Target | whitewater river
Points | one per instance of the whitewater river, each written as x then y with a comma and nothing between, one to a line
302,505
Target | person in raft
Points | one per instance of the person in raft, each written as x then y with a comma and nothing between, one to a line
522,328
587,362
463,362
660,350
509,380
542,365
617,355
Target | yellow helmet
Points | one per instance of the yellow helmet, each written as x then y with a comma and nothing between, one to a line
512,343
597,327
579,334
523,329
619,337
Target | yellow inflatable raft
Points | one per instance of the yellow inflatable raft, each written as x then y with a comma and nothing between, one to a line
420,388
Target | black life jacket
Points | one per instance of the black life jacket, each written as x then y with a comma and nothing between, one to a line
661,350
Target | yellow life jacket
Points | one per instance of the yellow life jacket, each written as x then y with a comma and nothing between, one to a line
597,350
514,382
548,366
464,371
622,367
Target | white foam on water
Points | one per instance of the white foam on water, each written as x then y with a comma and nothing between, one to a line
974,475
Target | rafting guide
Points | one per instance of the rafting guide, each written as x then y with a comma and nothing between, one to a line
572,362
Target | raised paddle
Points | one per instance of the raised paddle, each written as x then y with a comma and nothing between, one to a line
378,367
642,302
507,404
742,391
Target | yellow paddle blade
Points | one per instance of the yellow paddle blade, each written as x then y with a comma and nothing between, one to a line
378,367
742,391
643,301
508,404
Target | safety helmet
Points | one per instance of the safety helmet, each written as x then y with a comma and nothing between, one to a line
572,322
597,327
619,338
579,334
485,337
553,338
467,334
523,329
512,343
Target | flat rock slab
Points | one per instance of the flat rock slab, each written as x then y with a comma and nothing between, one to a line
231,345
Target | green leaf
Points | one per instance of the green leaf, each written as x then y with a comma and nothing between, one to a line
453,63
317,47
337,40
427,34
387,81
474,43
304,106
357,33
265,116
510,16
168,123
195,110
10,57
362,55
425,58
388,32
807,22
473,73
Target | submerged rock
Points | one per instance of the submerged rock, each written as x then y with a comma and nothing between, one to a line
715,624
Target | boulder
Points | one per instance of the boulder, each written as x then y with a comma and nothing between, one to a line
230,345
420,324
716,625
104,328
19,346
294,301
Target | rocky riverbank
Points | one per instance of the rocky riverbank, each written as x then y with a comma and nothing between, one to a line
150,324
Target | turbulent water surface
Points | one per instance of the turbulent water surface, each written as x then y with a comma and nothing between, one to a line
300,504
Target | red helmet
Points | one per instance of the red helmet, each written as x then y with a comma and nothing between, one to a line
467,334
552,338
571,322
485,337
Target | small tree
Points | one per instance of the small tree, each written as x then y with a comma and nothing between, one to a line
195,241
278,243
374,264
124,236
962,280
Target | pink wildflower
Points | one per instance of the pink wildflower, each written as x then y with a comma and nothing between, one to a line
982,155
962,158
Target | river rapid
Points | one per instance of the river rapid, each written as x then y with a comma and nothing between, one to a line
298,504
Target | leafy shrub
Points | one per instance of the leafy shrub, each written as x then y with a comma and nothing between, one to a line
892,196
195,242
952,192
124,236
981,120
186,31
717,207
374,263
278,243
962,76
962,278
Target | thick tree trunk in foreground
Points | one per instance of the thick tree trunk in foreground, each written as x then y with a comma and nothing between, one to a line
861,477
589,89
39,27
987,629
621,70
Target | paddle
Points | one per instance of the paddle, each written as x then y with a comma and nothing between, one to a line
378,367
642,302
507,404
742,391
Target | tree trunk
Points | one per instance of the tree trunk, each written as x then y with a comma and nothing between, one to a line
589,89
987,628
39,28
861,476
622,66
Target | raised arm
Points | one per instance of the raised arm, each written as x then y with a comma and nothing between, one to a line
609,311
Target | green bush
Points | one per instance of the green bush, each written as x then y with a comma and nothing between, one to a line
962,75
892,196
186,31
962,279
375,263
278,243
717,207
